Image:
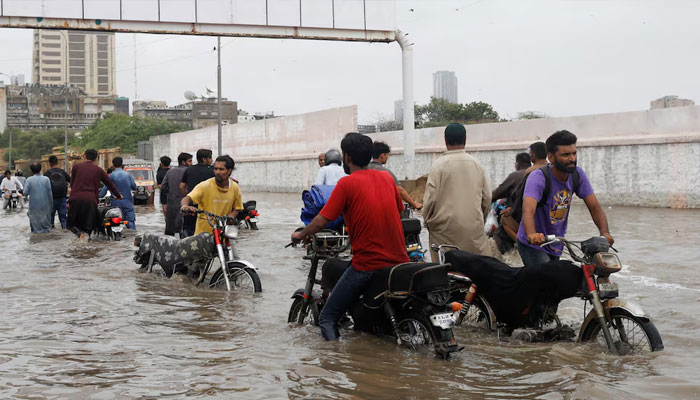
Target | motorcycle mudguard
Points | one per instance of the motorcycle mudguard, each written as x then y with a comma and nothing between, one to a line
629,306
315,294
492,315
247,264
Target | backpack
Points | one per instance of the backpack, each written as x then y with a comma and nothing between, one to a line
516,198
59,186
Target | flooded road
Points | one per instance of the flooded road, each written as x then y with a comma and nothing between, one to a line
78,321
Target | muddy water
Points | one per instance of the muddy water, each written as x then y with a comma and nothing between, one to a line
78,321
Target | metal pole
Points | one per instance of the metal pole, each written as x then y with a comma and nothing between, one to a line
409,150
9,163
218,72
65,136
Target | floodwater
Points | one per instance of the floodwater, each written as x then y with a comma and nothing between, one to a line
78,321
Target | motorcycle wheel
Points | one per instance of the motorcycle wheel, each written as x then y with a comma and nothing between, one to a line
477,316
642,336
295,312
241,278
415,334
252,225
117,236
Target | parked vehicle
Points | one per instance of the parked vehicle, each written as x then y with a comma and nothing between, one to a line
522,302
249,215
142,172
200,256
408,301
111,219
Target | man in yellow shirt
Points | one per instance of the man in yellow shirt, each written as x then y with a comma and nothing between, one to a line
219,195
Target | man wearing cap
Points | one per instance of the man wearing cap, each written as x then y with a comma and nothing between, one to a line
457,197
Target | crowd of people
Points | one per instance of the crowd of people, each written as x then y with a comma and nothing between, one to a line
456,202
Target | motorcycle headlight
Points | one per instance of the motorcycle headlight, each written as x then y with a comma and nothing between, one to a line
113,213
231,231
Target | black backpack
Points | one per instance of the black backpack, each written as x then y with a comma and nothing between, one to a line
516,198
59,185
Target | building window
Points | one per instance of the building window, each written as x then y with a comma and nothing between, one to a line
51,70
101,55
102,79
77,71
53,62
77,79
101,47
102,71
52,78
51,45
103,88
102,38
77,54
51,37
51,53
77,63
77,37
76,46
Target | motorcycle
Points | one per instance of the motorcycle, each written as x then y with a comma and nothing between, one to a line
111,219
16,199
522,302
200,255
249,215
408,301
411,232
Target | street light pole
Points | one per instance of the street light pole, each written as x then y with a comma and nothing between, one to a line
218,73
65,134
9,162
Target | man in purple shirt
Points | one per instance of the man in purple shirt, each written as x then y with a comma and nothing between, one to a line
550,216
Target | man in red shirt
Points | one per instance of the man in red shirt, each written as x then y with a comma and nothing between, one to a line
371,206
85,178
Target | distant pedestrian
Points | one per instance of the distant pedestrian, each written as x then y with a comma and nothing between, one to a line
85,181
457,197
20,177
125,184
506,191
38,190
380,156
59,190
160,174
331,173
171,186
322,160
192,177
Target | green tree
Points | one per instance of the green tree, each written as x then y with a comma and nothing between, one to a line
118,130
32,144
440,112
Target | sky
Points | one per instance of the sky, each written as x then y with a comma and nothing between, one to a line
557,57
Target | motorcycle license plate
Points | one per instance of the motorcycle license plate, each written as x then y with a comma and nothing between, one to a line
117,228
253,220
444,320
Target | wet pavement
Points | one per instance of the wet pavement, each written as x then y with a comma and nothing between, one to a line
78,321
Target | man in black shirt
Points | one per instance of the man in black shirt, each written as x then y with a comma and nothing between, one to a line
160,174
192,177
59,189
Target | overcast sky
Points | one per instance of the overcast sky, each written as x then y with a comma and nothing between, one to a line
559,57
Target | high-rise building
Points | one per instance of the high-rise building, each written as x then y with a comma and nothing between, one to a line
75,57
445,86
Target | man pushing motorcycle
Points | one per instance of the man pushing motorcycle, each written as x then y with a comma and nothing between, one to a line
547,201
219,195
371,206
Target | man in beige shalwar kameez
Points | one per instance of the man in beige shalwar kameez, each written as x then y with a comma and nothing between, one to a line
457,197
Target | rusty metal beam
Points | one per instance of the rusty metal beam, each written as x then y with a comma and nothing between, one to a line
181,28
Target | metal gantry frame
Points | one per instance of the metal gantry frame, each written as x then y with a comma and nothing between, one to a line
256,31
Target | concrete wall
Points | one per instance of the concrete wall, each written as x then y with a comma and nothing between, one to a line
642,158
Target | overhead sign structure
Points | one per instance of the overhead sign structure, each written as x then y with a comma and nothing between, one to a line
344,20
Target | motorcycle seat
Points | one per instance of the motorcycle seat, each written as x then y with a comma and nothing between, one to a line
169,250
250,205
513,291
411,226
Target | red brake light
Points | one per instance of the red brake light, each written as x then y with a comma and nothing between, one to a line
247,217
116,220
